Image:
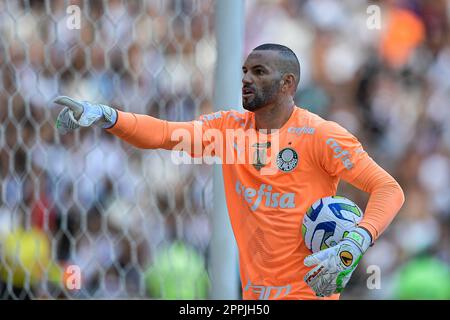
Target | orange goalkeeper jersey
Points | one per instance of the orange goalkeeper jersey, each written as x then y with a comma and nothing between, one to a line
266,203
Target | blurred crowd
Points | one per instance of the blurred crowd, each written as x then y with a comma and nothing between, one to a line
111,208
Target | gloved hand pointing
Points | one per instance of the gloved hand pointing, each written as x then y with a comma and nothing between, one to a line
83,113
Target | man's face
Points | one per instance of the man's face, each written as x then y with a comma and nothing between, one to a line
261,80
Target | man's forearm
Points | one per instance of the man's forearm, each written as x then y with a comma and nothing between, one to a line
386,198
147,132
140,130
384,203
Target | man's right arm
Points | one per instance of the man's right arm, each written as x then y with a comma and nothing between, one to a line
140,130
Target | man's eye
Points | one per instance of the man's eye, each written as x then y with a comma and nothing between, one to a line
259,72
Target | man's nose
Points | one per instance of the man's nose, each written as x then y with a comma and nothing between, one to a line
246,79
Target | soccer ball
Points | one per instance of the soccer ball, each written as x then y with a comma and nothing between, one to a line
328,221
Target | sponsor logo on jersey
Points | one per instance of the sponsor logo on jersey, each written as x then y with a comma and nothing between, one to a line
301,130
287,159
265,292
343,155
265,197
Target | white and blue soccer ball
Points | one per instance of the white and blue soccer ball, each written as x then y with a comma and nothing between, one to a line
328,221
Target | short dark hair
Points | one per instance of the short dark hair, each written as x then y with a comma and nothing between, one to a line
289,64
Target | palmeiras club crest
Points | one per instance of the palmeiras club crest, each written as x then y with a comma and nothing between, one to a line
287,159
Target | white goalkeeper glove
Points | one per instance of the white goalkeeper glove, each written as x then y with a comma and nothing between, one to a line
335,265
83,114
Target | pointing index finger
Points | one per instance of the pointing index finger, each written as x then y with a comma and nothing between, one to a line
74,105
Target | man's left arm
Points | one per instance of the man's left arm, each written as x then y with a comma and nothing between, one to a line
340,154
386,196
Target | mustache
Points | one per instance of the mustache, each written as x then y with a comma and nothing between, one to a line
248,89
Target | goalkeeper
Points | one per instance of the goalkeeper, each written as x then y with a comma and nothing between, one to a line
310,156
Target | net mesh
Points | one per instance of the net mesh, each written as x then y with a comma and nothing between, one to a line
134,223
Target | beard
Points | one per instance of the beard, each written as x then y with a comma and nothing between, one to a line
260,98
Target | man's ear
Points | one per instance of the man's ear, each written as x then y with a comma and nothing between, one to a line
287,81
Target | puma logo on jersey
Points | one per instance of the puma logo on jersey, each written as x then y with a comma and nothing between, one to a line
265,196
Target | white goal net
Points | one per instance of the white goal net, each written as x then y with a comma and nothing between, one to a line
134,223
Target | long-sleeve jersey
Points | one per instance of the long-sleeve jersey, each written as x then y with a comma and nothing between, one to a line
271,182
